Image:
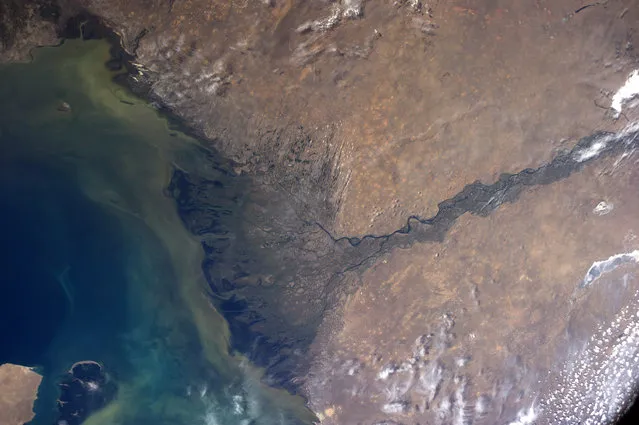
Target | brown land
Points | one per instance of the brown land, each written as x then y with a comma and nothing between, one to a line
18,390
357,115
494,305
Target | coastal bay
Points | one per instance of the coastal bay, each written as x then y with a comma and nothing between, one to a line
99,260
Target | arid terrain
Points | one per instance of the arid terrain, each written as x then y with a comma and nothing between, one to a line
424,191
19,390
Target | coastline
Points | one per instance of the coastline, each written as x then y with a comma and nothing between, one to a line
19,386
143,198
318,145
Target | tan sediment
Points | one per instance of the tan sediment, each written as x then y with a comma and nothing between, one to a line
18,391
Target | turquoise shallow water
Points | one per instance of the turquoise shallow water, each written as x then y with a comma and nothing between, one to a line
96,263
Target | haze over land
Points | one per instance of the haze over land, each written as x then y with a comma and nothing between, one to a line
405,212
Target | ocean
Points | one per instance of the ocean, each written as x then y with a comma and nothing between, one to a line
97,266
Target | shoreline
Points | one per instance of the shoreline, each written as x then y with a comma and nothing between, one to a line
430,179
157,210
260,357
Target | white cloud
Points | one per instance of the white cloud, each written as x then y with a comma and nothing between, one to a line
627,92
525,417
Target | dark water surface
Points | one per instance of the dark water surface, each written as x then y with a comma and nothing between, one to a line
96,264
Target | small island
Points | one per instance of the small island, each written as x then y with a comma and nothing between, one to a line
18,391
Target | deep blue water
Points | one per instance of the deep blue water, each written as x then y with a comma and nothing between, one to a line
96,264
62,265
31,269
63,256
